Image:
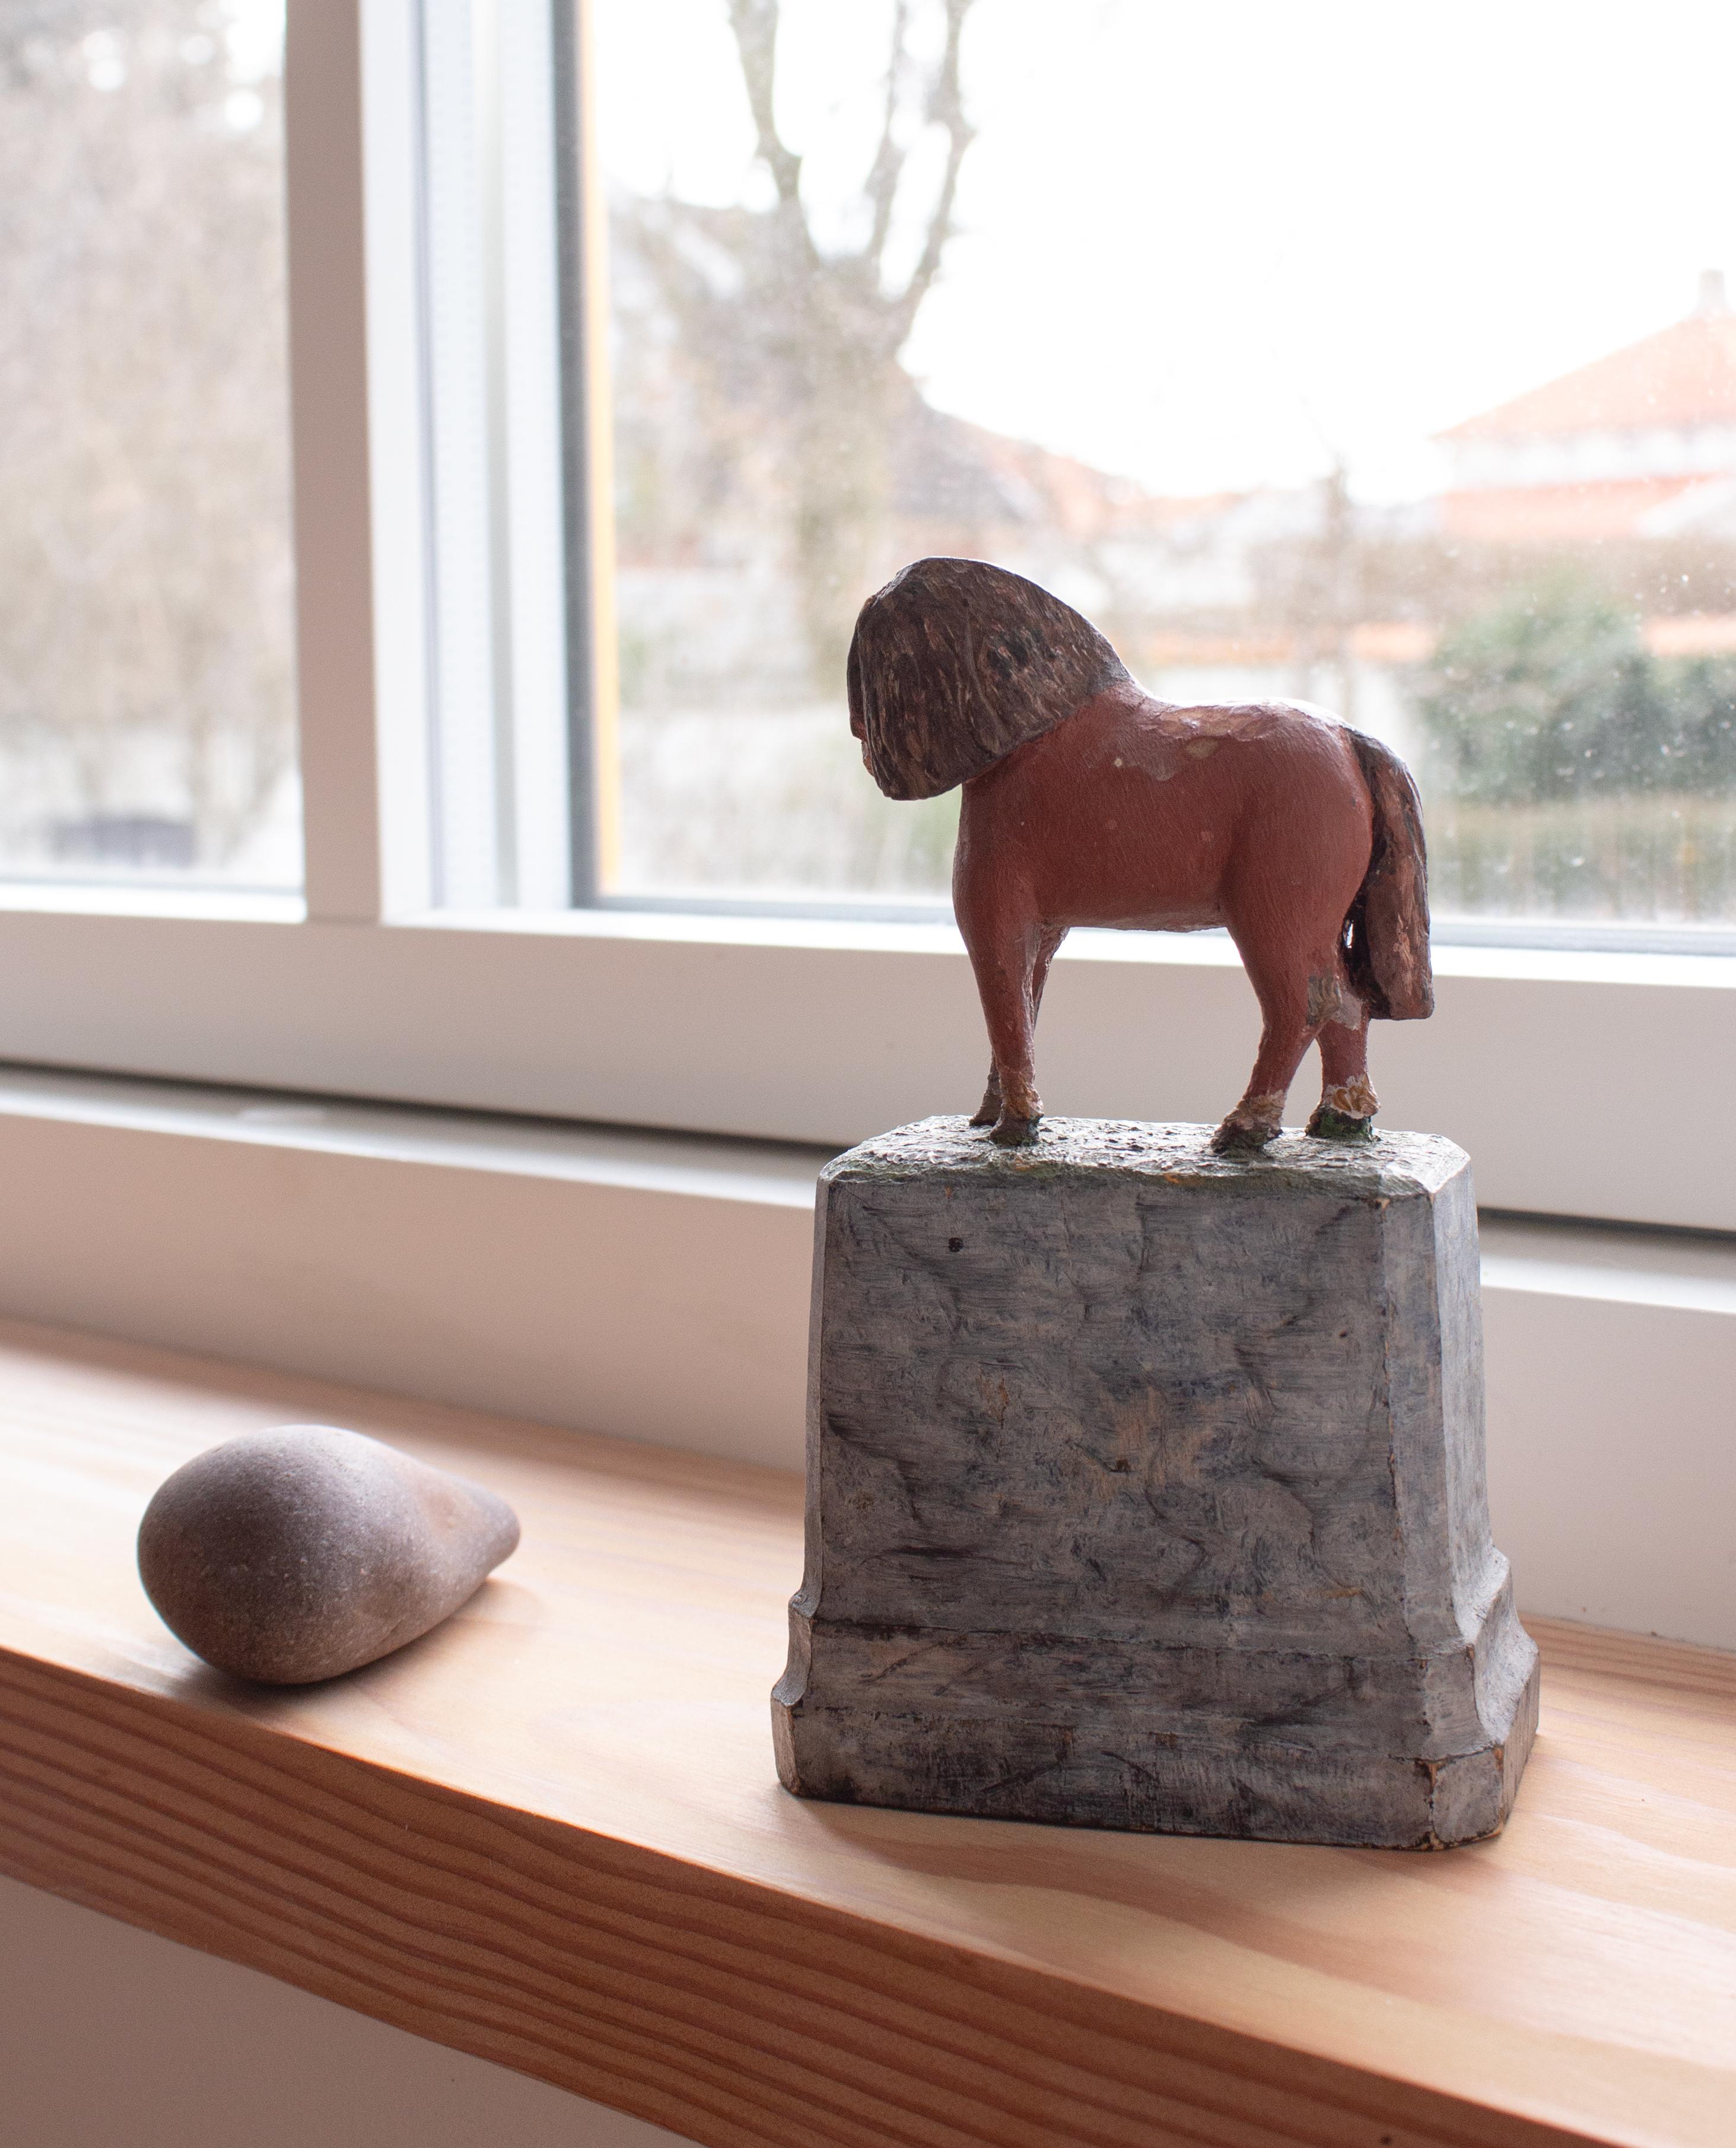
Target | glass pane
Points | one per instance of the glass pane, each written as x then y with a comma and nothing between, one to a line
146,688
495,573
1312,351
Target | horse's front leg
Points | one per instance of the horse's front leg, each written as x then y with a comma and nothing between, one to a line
1004,955
989,1111
1003,983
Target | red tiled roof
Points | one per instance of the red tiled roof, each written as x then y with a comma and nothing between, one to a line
951,471
1413,641
1694,633
1160,651
1544,513
1684,375
1393,641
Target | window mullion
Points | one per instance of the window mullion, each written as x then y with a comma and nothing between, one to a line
588,457
328,391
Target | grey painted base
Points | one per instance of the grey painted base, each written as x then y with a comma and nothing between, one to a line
1146,1490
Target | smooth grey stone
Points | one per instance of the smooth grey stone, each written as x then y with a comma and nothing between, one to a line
301,1553
1146,1490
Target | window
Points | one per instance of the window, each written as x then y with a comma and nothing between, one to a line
552,746
147,670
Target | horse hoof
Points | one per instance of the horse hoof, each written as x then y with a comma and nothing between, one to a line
985,1118
1238,1139
1015,1133
1328,1125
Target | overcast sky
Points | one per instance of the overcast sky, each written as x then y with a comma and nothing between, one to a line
1210,245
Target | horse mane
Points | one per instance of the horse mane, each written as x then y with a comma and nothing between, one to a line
954,663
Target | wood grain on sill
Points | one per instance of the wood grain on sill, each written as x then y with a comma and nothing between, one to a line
549,1834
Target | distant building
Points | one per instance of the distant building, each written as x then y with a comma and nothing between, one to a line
1099,541
1638,444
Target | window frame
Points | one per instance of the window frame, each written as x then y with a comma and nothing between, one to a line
1584,1082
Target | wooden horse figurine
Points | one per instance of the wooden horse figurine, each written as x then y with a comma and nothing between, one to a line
1088,802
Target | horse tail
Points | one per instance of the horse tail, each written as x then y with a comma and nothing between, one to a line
1387,931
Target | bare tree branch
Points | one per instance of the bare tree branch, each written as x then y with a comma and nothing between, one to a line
946,109
145,656
881,184
754,23
796,357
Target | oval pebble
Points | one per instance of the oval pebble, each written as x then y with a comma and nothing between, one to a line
301,1553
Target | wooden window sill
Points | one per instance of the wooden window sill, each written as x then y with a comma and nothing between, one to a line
549,1834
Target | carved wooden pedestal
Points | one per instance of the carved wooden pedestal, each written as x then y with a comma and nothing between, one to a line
1146,1490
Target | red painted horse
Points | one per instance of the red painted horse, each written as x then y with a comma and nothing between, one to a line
1088,802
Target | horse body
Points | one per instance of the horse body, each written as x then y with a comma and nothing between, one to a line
1134,812
1299,836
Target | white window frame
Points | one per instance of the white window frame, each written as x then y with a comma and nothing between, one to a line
1582,1082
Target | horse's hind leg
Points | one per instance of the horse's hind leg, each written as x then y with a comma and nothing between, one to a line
989,1111
1347,1101
1286,988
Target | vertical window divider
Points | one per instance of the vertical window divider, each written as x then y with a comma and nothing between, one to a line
472,596
486,32
327,272
362,414
587,450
